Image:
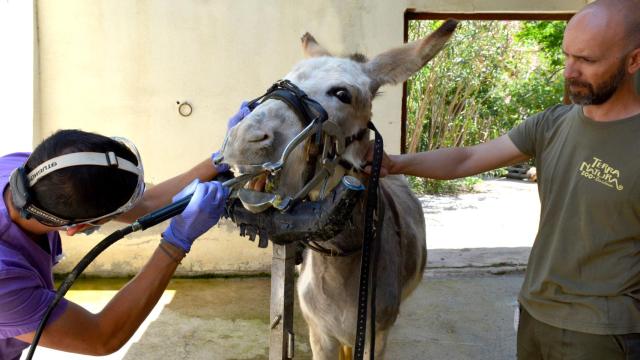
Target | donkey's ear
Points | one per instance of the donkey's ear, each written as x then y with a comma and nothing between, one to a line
397,65
311,48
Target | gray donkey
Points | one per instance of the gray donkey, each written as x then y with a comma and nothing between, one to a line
328,285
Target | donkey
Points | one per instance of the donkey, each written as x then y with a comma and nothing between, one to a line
328,285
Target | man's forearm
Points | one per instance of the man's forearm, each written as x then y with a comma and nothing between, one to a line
132,304
160,195
79,331
453,163
438,164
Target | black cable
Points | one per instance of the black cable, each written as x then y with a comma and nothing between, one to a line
73,275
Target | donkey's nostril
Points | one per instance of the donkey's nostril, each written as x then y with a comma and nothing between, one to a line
258,137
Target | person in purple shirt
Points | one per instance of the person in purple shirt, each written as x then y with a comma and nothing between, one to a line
75,181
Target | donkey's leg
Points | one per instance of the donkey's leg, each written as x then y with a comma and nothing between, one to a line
324,347
381,344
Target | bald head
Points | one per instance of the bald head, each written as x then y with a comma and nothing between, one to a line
618,14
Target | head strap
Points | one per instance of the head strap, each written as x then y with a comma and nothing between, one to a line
21,182
79,159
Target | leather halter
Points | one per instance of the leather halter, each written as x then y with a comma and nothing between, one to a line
296,99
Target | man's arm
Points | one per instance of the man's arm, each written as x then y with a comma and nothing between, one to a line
452,163
160,195
79,331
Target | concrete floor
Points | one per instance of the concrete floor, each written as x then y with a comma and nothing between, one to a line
453,315
458,317
501,213
462,310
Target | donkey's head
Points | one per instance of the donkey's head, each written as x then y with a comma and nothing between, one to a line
345,88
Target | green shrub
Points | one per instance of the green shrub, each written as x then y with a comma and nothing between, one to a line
423,186
490,77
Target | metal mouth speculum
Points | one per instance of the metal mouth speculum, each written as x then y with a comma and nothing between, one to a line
327,133
271,167
257,201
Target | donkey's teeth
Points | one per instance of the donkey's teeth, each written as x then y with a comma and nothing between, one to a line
258,183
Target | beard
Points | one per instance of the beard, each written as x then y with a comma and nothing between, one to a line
597,94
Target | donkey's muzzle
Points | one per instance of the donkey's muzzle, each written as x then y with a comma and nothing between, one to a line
304,221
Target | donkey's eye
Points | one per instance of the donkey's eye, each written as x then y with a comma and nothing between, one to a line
341,93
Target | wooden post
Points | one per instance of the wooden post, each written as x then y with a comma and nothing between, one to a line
281,343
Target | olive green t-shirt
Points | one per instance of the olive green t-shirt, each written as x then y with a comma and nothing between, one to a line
584,268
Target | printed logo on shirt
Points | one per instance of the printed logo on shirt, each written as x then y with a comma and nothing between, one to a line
601,172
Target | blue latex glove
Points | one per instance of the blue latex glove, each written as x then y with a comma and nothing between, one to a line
220,168
242,112
202,212
233,121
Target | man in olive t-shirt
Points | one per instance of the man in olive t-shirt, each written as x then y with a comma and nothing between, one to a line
581,295
585,263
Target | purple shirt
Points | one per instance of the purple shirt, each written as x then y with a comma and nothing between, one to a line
26,279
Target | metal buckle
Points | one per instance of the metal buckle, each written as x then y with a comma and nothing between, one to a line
112,159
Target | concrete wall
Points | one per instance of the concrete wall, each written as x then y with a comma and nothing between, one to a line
121,67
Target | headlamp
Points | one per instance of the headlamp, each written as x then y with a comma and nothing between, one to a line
21,183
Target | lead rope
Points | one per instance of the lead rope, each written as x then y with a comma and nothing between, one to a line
369,240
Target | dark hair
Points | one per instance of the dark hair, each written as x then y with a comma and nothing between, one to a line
81,192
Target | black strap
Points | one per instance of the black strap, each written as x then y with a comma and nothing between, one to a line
374,273
294,102
370,235
296,99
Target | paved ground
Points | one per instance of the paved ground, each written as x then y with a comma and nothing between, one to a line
478,245
458,317
503,213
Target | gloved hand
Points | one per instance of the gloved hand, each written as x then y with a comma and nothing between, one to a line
220,168
242,112
233,121
202,212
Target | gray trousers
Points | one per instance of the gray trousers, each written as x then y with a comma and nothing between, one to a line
539,341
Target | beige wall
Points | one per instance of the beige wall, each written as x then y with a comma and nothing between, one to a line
118,67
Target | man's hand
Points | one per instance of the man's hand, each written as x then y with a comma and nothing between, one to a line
204,211
241,114
388,165
233,121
